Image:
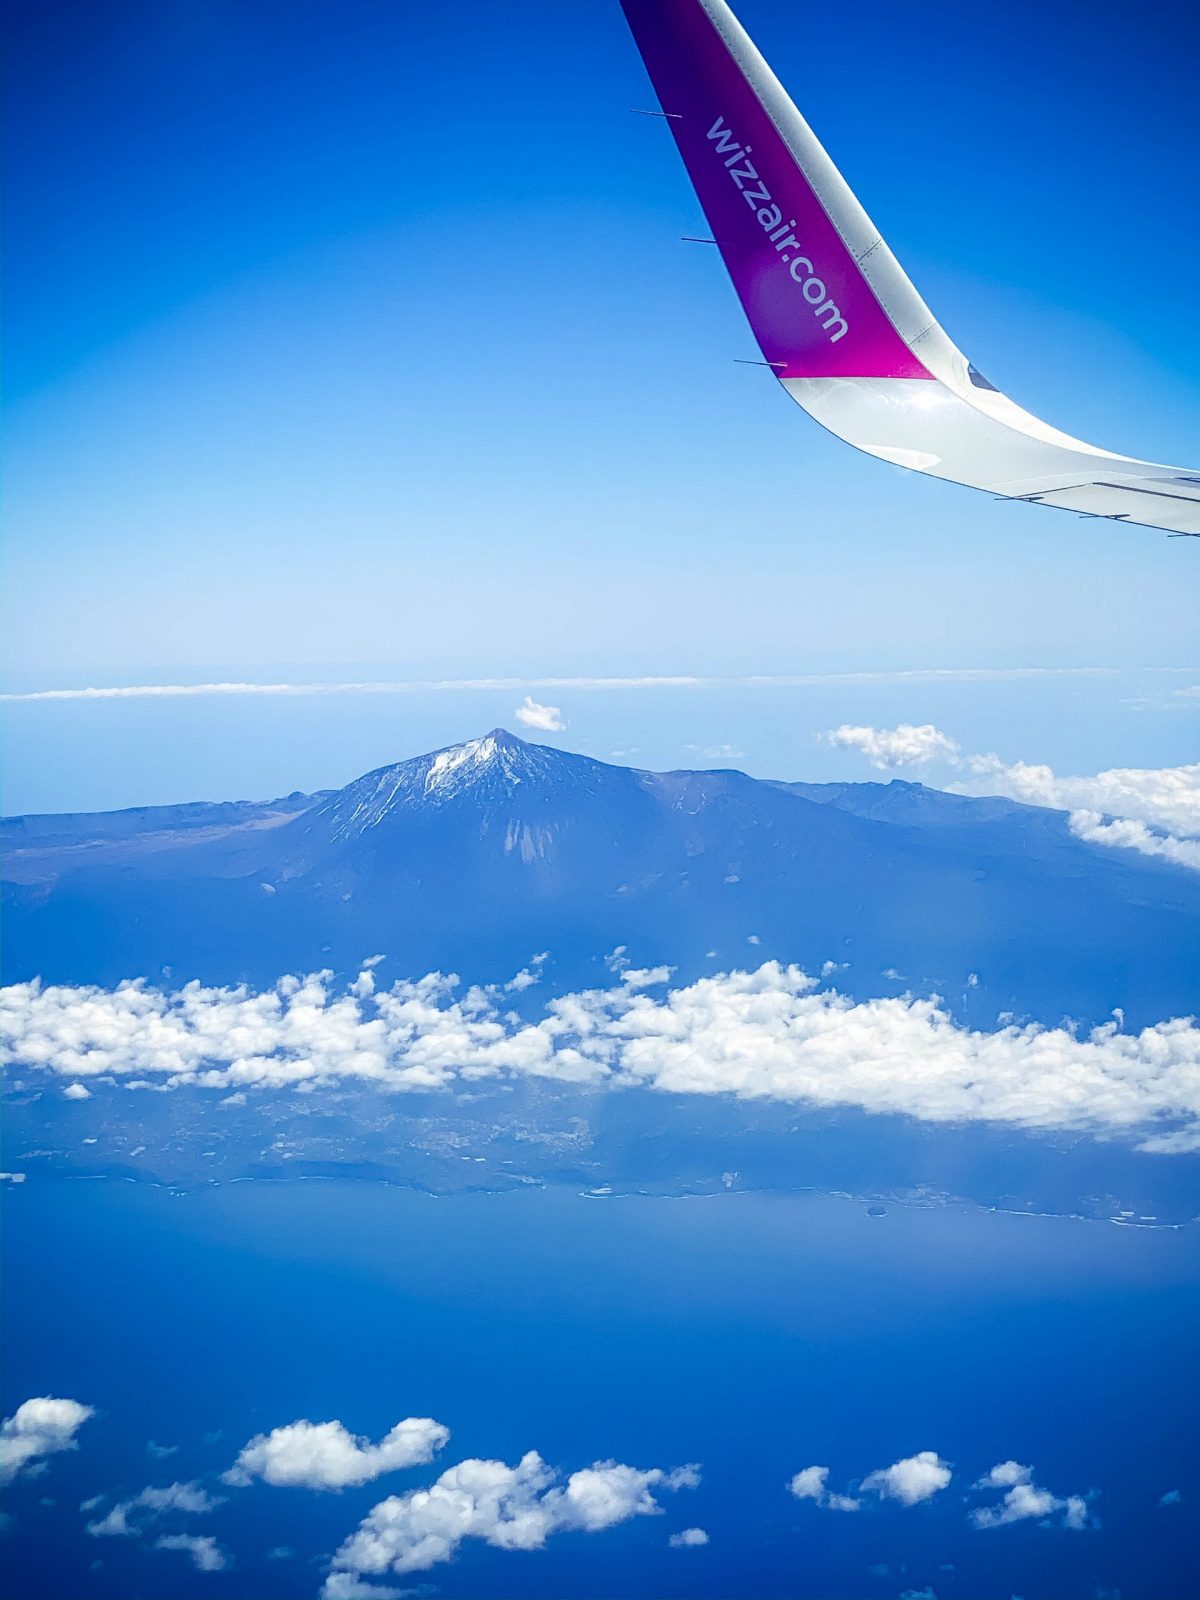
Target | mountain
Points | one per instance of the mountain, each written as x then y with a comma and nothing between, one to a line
475,857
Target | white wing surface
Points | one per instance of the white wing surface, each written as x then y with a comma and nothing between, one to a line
834,313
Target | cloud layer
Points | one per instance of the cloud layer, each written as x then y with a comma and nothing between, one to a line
1167,798
510,1508
38,1428
1153,810
769,1033
142,691
326,1455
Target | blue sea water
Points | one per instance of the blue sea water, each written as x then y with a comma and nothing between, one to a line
754,1334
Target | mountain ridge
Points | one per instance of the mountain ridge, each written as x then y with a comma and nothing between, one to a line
473,857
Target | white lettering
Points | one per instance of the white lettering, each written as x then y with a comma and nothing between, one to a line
770,220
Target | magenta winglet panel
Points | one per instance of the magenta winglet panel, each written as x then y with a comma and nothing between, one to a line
812,311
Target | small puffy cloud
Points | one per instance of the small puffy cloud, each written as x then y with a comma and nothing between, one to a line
345,1586
688,1539
1023,1499
160,1452
326,1455
509,1508
645,977
1004,1475
76,1091
206,1553
843,1502
127,1519
911,1480
40,1427
1172,1498
810,1484
906,745
547,719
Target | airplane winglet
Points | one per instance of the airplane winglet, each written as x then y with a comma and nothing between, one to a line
834,314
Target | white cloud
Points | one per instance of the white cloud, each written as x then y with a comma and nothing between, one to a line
76,1091
688,1539
1153,810
677,681
809,1484
510,1508
766,1034
236,690
843,1502
127,1519
326,1455
523,980
531,714
717,752
206,1553
345,1586
1125,833
903,746
646,977
1167,798
1023,1499
911,1480
1004,1475
38,1428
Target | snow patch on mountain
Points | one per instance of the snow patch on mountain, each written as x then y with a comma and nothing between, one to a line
494,766
446,769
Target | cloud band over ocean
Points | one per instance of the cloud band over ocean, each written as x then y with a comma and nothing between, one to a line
773,1033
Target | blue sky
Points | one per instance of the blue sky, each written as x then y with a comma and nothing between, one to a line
359,343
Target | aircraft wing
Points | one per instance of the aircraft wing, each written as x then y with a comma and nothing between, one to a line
833,311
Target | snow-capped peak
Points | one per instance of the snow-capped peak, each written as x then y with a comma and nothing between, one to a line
446,770
498,763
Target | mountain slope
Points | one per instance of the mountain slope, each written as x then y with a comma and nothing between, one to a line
475,857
